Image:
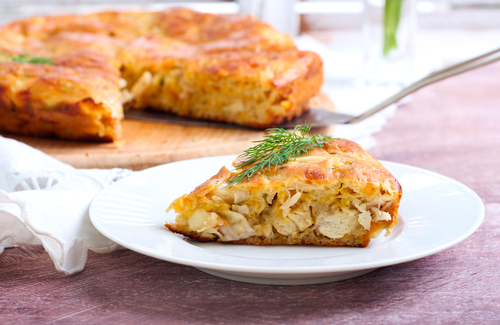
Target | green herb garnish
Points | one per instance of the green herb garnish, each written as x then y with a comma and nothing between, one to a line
277,148
392,16
25,58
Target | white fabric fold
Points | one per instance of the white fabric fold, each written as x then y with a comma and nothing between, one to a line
45,202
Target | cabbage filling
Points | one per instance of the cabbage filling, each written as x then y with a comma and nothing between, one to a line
299,211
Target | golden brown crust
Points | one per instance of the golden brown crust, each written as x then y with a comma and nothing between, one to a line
351,164
183,24
221,33
341,165
67,121
193,58
77,98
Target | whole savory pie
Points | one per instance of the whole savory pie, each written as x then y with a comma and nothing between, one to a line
71,76
336,194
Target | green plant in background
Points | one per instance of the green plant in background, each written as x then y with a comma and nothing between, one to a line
392,16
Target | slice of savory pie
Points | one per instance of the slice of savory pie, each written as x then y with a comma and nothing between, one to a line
333,193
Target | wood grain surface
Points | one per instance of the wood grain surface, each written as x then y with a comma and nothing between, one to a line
450,128
148,144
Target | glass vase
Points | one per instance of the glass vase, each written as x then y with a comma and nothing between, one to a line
389,28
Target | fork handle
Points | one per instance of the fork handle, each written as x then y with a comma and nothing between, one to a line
432,78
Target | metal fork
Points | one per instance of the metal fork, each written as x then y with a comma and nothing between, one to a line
321,118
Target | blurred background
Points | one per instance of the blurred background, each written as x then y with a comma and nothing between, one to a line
346,33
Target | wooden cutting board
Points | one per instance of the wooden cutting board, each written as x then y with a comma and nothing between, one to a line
148,144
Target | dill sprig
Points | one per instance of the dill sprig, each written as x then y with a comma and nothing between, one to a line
276,149
26,58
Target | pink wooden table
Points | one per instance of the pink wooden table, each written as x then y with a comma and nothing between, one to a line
451,128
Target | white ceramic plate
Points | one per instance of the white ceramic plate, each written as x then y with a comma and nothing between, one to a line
436,213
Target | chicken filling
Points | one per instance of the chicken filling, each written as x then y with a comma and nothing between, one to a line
299,211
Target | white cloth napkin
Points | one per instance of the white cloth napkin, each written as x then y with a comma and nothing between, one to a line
45,202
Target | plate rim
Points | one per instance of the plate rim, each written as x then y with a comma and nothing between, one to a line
290,270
